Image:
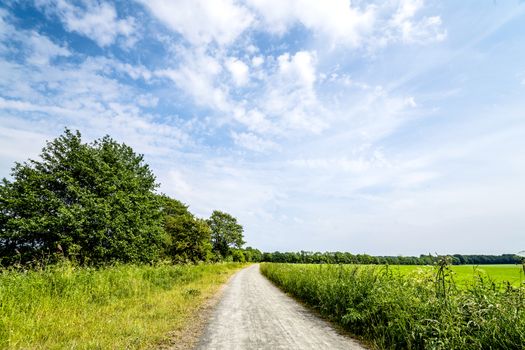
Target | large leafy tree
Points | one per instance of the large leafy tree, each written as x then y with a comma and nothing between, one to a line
94,202
226,233
189,237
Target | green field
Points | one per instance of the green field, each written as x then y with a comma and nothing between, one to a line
465,275
413,307
118,307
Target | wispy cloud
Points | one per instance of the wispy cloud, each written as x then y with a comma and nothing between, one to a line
202,22
357,126
93,19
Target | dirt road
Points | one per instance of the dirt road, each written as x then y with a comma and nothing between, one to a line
254,314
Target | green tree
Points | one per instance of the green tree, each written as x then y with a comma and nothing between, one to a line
94,202
189,236
252,254
238,255
226,233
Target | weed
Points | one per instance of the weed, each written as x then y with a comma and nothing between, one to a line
418,310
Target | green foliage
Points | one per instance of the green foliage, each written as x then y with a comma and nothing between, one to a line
252,255
171,207
421,310
226,233
349,258
189,236
90,202
238,255
96,203
114,307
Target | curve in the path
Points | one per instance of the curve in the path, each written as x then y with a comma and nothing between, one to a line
254,314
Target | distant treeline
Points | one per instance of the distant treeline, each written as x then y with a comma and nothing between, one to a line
349,258
96,203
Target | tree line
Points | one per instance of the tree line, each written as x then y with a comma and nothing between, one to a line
97,203
305,257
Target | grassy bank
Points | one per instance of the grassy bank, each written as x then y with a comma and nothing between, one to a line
419,310
118,307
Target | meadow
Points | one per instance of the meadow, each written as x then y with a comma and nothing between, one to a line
114,307
413,307
464,275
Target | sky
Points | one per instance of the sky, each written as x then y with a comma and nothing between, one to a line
392,127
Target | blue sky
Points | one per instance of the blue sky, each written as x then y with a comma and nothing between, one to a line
389,127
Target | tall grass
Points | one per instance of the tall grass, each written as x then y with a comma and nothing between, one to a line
423,310
116,307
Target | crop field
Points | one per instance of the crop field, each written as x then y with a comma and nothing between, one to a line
117,307
465,275
413,307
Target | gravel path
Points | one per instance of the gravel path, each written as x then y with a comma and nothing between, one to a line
254,314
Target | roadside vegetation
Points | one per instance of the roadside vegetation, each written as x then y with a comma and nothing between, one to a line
418,309
92,256
97,203
115,307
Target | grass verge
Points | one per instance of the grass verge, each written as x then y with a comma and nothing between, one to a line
393,310
118,307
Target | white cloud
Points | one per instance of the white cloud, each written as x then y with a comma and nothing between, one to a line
239,71
359,164
337,20
257,61
405,26
24,106
299,67
287,100
148,100
290,95
43,49
16,132
39,48
410,101
196,76
283,95
255,121
95,20
6,29
223,183
334,21
253,142
135,72
406,10
82,95
200,21
354,24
